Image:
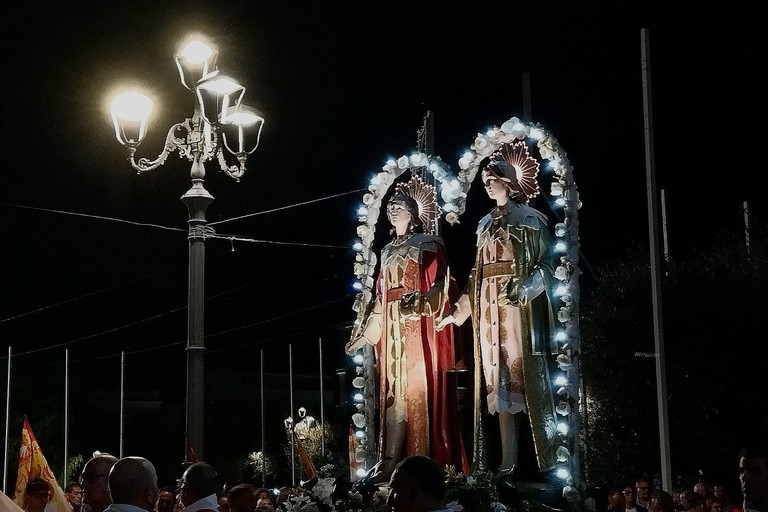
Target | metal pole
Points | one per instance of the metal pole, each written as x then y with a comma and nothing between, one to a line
196,200
122,399
263,454
664,224
527,97
293,424
7,417
322,400
66,414
661,378
746,224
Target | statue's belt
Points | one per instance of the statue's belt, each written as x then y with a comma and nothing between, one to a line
394,294
500,268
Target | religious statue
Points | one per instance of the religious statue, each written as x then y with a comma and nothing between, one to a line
416,413
507,297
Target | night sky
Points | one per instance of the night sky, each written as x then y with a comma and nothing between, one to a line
343,86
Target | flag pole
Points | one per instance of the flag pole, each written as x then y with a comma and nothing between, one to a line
66,414
263,454
122,398
290,383
322,397
7,415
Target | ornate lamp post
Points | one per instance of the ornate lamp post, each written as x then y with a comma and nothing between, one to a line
219,118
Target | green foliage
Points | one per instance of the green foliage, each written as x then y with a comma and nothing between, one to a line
712,303
74,466
476,491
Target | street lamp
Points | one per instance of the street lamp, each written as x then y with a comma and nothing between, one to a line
219,119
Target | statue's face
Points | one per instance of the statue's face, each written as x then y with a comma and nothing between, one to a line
398,214
496,188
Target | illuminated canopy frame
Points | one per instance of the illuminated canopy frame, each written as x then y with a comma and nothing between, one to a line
553,165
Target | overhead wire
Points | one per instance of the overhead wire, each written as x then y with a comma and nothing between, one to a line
143,224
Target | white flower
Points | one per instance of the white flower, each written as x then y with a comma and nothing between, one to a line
358,382
359,420
546,153
482,146
562,454
466,160
402,162
386,179
561,273
563,361
452,218
454,505
323,488
509,125
360,454
563,409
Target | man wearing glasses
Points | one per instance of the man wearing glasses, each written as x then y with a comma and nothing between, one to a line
93,481
37,495
631,500
197,488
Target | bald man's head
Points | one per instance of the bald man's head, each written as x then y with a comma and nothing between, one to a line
94,482
133,481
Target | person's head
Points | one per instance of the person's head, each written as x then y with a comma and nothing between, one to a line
242,498
264,504
643,490
616,501
403,213
685,498
417,485
223,503
661,501
630,497
703,489
74,494
719,491
38,494
714,505
133,481
93,481
696,502
199,481
166,499
753,475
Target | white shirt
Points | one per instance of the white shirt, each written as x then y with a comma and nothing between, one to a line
208,502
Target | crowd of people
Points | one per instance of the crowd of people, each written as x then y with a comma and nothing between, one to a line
417,484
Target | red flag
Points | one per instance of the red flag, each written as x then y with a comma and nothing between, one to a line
32,464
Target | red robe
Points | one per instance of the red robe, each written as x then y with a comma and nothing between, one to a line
412,358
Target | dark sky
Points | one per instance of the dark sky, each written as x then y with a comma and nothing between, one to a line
343,86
